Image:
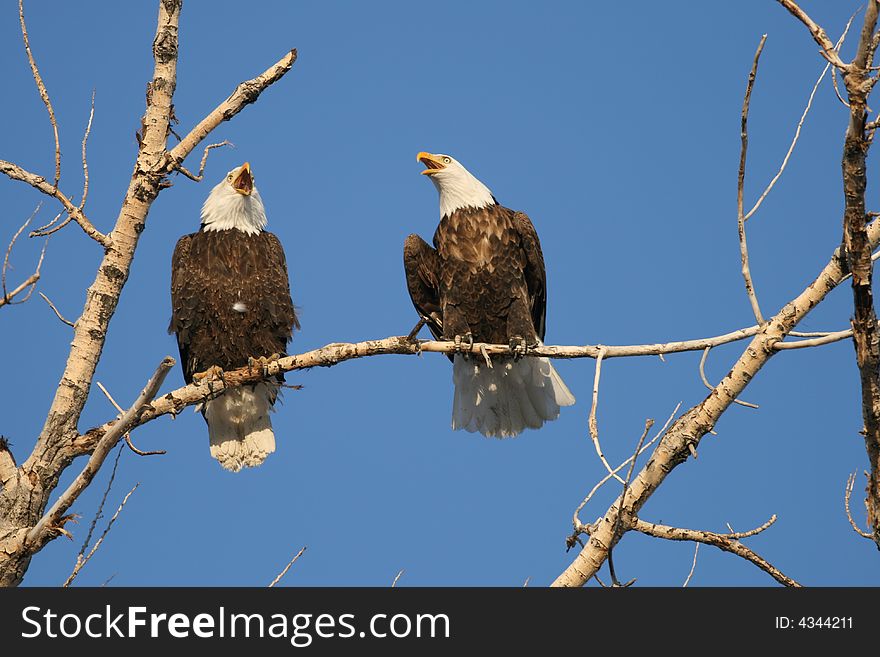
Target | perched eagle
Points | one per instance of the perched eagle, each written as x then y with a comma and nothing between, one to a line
231,307
484,281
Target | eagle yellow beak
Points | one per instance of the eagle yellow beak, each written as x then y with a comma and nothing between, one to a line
431,161
244,181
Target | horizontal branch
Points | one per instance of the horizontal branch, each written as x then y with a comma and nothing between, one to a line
727,542
38,182
175,401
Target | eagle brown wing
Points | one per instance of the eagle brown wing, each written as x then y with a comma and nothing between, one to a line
534,272
422,266
230,299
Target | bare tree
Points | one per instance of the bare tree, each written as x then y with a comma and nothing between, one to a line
26,525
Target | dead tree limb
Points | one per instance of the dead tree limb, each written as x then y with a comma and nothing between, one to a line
727,542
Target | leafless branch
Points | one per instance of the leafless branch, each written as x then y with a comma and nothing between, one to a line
837,47
38,232
578,525
175,401
816,342
850,483
8,298
693,566
50,522
818,34
710,386
244,94
198,178
593,424
740,218
397,577
287,567
797,134
38,182
56,311
44,95
85,162
648,424
81,558
727,542
127,433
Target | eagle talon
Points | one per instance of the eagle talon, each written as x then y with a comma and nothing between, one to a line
262,363
213,373
518,347
464,344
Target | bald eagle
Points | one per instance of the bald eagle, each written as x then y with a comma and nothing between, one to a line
484,281
231,306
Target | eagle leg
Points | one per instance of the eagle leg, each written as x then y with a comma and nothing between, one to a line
418,327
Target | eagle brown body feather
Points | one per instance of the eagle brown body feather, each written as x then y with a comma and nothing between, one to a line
212,271
485,276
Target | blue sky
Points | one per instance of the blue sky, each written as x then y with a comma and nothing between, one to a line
614,126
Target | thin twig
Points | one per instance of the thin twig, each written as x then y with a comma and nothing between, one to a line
287,567
98,513
648,424
850,483
127,433
12,244
693,566
198,178
815,342
29,282
52,520
37,232
44,95
397,577
727,542
85,163
797,132
593,424
57,313
740,218
586,500
710,386
81,560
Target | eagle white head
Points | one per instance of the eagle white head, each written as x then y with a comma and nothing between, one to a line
457,186
235,203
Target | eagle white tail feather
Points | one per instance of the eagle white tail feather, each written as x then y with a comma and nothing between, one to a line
239,426
506,399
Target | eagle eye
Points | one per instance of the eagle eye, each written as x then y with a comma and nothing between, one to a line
446,160
229,177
